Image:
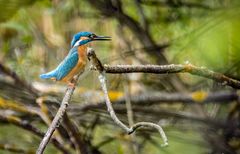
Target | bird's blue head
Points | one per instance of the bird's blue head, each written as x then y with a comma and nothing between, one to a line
82,38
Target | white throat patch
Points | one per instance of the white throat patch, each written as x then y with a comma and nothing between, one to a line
77,43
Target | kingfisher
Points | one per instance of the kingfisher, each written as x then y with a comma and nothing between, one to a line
76,59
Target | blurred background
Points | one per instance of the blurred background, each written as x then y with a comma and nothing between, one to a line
35,36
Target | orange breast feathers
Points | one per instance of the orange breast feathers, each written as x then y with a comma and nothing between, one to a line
82,61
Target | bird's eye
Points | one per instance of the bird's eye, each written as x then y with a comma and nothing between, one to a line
91,35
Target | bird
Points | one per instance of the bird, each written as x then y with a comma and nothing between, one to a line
76,59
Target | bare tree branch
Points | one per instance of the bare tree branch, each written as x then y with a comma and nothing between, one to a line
97,65
174,68
58,117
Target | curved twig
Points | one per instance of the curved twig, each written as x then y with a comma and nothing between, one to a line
102,78
130,130
149,124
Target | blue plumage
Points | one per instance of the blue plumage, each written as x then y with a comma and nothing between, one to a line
76,58
48,75
77,36
64,67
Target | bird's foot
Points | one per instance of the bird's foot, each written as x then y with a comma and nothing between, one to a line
71,84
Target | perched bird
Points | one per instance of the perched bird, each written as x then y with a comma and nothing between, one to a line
76,59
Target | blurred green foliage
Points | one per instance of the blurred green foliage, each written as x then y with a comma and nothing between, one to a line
35,36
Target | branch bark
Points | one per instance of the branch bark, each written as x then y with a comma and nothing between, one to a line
58,117
174,68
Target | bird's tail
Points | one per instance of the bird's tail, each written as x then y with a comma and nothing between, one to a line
48,75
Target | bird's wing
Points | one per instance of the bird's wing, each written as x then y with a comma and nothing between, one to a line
67,64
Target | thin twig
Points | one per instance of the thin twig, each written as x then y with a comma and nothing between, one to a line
102,78
153,125
174,68
56,121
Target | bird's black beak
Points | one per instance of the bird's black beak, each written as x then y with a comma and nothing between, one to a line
101,38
